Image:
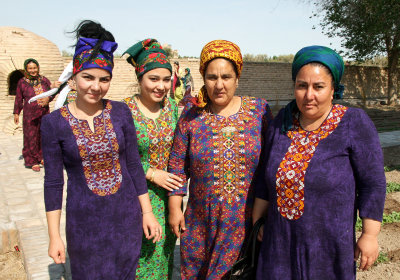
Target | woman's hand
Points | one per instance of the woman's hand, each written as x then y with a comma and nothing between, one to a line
367,246
151,227
260,233
164,179
16,119
55,84
43,101
57,250
176,221
260,209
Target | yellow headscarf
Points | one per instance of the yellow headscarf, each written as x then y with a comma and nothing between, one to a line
215,49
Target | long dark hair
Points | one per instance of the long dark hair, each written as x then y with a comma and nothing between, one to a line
94,30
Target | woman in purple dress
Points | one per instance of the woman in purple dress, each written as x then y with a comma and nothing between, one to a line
322,163
29,86
108,206
217,146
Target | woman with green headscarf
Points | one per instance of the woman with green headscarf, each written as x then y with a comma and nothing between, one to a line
155,116
322,164
188,85
29,86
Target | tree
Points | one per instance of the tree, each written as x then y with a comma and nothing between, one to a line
367,28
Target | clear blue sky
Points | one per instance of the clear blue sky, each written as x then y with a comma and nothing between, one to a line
271,27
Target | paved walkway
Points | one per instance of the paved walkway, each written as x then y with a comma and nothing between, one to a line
22,207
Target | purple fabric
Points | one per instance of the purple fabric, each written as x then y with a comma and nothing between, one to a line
104,233
345,175
33,113
103,60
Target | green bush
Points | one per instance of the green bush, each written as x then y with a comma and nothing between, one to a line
392,187
393,217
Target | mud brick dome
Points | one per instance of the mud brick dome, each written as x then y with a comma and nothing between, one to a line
16,45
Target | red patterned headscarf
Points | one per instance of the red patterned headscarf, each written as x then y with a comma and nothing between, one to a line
218,49
83,55
147,55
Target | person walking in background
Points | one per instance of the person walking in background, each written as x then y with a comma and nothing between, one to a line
155,116
322,163
108,206
29,86
188,85
177,85
217,146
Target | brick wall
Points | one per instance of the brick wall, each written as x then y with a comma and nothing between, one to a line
271,81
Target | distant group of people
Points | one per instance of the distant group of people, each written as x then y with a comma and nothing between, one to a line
308,172
182,85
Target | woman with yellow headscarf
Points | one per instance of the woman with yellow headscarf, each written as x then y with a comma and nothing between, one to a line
217,146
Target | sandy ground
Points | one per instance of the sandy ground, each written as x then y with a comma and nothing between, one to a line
12,266
388,239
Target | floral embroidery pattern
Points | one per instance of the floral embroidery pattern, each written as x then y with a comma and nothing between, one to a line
220,155
98,150
103,60
229,148
154,143
292,170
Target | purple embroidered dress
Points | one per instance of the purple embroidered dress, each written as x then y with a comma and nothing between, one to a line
105,177
315,181
220,156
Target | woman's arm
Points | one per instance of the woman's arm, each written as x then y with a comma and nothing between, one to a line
367,162
151,227
259,211
53,187
56,245
176,217
367,244
18,102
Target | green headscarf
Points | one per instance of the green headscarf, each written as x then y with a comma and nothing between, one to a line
325,56
32,80
147,55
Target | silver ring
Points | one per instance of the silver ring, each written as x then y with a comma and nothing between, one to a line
169,175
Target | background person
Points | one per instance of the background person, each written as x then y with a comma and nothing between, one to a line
322,163
108,206
188,85
177,85
217,146
155,116
31,85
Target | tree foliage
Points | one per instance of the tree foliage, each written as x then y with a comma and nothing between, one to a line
265,58
367,28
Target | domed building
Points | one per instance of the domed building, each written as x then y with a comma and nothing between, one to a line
16,45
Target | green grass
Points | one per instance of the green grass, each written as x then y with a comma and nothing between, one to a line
392,187
393,217
391,168
382,258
